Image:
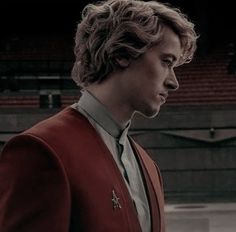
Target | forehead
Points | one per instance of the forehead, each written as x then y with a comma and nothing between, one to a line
169,44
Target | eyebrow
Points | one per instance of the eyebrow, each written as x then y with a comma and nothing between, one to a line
174,58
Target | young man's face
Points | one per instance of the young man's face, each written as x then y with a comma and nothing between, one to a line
151,77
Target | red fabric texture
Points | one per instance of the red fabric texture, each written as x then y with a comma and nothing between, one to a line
59,176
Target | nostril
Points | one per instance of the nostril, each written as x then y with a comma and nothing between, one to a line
172,86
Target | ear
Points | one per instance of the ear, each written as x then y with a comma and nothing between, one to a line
123,62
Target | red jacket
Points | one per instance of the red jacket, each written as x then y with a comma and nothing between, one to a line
59,176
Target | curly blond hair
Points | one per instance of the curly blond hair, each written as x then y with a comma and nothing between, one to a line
114,29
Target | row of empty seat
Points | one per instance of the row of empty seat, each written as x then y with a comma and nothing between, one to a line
36,101
206,80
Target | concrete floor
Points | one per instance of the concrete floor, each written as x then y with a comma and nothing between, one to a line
219,217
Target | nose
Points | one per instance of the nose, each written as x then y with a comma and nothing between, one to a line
171,82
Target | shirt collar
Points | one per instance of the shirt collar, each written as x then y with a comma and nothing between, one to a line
99,113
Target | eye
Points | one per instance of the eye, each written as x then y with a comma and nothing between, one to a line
168,62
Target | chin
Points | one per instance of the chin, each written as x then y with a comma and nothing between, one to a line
150,112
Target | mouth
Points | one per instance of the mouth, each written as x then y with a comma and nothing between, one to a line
163,96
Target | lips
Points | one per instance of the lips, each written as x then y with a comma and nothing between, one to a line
164,96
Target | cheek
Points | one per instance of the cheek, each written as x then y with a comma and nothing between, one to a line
157,80
155,73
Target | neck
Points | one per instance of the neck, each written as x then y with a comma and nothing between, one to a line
110,97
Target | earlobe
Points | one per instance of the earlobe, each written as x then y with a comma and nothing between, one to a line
122,62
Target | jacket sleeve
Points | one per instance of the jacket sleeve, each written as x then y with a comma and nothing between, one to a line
34,193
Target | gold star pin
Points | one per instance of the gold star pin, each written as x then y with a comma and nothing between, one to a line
115,200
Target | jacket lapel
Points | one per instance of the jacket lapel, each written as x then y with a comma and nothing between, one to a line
115,176
153,187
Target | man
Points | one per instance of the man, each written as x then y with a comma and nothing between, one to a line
78,170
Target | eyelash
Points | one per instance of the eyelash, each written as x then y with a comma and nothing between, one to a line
168,63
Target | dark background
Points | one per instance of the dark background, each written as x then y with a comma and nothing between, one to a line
194,138
215,20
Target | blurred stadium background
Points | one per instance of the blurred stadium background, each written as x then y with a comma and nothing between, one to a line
194,137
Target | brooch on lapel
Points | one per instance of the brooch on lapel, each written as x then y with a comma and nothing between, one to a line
115,201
